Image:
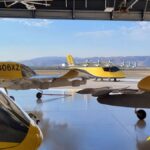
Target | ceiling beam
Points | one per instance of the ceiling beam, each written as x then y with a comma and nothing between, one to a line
146,3
86,3
131,4
145,9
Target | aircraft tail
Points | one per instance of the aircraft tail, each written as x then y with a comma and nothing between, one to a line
70,60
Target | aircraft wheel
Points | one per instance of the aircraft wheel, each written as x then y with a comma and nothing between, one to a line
12,98
37,121
141,114
39,95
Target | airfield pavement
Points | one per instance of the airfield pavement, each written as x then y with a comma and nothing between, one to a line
79,122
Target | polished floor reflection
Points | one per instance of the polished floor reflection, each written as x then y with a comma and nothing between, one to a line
79,122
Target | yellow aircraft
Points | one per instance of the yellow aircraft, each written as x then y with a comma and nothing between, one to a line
17,130
17,76
110,72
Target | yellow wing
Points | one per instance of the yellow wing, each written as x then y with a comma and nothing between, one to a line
75,73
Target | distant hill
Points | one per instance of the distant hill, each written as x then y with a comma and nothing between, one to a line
143,61
44,61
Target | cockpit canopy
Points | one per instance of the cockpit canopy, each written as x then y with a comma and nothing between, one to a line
14,123
111,69
27,71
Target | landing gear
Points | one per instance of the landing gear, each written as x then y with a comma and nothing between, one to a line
12,98
39,95
141,114
115,80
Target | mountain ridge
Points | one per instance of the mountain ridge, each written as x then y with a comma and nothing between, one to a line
57,61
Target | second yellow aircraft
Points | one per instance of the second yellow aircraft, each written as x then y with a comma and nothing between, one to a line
109,72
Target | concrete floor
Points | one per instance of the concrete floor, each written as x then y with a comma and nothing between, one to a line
79,122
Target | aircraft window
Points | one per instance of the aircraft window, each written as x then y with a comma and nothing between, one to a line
14,124
111,69
26,71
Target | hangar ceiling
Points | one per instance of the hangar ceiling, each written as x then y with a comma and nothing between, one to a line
77,9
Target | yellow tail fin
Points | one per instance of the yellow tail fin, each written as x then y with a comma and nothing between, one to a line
70,60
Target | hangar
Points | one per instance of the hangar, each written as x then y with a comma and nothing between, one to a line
131,10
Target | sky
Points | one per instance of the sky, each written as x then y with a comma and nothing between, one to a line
23,39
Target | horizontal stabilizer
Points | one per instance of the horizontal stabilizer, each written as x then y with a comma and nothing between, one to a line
97,92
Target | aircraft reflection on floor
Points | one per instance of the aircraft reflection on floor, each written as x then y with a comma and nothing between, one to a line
56,135
59,136
143,143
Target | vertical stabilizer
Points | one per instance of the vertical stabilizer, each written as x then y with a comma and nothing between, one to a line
70,60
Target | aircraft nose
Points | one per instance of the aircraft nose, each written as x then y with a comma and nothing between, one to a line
37,135
144,84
